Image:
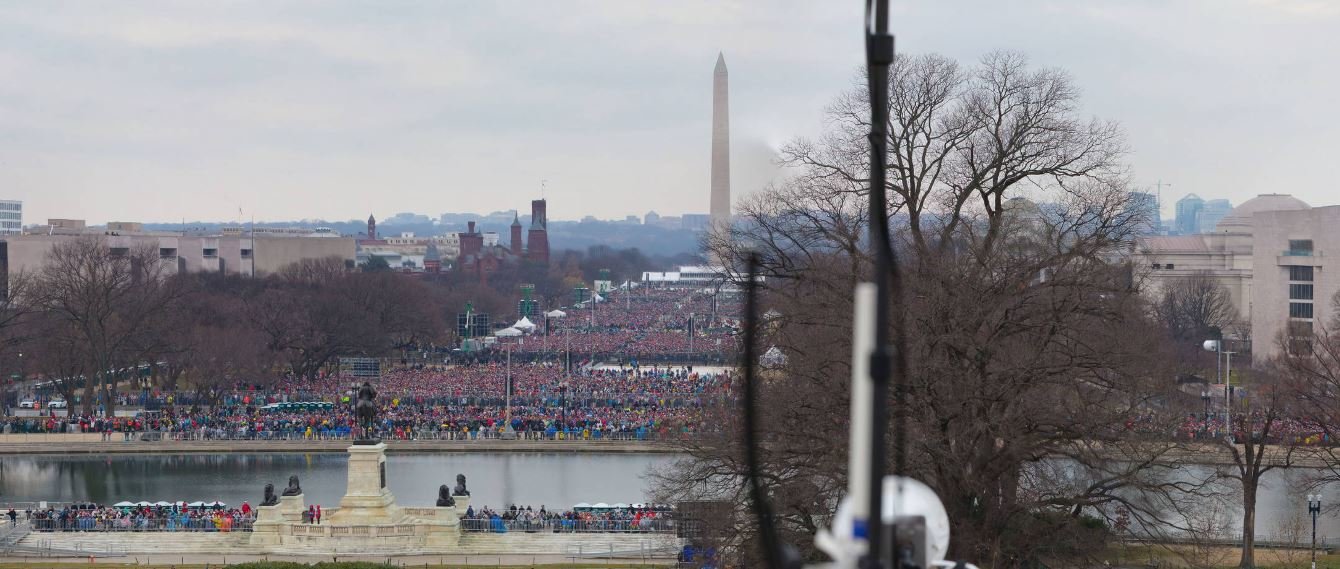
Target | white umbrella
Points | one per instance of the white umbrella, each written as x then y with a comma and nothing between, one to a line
507,333
123,504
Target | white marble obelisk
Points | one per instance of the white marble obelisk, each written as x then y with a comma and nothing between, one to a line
720,211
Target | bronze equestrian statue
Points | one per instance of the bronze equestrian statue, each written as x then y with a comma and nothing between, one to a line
365,410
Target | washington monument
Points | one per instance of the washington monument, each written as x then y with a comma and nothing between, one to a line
720,147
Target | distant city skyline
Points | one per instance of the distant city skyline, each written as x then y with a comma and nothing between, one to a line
159,111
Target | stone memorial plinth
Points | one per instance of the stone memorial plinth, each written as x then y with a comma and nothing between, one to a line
291,508
268,527
367,501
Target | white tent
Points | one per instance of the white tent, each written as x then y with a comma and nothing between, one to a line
196,505
163,504
556,313
582,505
123,505
216,504
507,333
524,324
621,506
600,506
143,503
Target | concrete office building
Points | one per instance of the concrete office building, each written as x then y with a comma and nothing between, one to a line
11,217
179,252
1269,253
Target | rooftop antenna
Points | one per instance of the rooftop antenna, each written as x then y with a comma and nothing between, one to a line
542,187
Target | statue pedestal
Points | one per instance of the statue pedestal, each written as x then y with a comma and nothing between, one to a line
269,526
367,501
290,508
462,504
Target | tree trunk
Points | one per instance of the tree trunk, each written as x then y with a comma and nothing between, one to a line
90,394
1248,523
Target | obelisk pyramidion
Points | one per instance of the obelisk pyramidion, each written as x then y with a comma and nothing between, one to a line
720,212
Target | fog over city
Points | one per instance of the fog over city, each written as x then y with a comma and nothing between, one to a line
158,111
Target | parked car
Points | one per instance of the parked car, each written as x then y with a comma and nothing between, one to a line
27,404
57,404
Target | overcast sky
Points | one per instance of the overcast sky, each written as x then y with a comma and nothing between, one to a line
158,111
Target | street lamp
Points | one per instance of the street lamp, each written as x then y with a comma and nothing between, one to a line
563,409
1314,508
1217,347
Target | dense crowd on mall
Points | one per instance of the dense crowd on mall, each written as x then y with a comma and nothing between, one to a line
467,396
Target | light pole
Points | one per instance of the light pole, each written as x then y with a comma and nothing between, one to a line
1217,347
1314,508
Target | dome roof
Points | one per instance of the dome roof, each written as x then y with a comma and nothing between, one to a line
1242,215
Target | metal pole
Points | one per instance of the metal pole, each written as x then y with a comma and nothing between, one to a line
879,57
1314,508
1228,397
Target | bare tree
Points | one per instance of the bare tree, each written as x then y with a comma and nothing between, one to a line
1195,308
112,302
1259,443
1028,344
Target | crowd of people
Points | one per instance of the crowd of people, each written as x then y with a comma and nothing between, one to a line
467,402
93,517
485,397
1210,427
528,519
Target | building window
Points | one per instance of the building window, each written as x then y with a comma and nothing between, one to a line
211,253
1300,248
1297,273
1300,310
246,253
1156,266
1300,328
1168,266
1300,292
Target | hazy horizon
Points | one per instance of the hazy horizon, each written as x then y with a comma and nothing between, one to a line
158,111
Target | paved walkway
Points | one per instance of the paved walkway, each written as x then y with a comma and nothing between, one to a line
80,443
403,560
